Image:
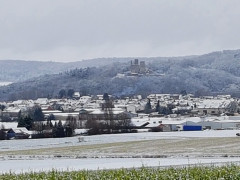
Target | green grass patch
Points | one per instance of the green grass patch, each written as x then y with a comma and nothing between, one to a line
193,173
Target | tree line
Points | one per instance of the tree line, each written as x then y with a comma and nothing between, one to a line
44,127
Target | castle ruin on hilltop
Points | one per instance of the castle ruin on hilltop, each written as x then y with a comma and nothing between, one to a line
137,68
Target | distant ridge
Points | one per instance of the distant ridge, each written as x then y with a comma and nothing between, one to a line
212,73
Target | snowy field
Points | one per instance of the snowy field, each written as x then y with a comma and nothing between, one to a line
26,144
161,148
20,166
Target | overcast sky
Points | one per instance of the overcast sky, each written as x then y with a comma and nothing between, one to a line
71,30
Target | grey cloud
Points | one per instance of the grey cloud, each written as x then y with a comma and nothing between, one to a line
76,29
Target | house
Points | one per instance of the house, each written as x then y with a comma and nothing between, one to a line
64,116
161,128
42,101
182,109
84,99
159,97
12,112
134,108
152,124
76,95
18,133
214,122
98,114
51,111
116,114
215,106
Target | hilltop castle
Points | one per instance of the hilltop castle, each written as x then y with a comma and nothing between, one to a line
137,68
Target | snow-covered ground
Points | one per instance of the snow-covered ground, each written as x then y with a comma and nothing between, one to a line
20,163
20,166
25,144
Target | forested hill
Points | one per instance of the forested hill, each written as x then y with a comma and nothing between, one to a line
19,70
217,72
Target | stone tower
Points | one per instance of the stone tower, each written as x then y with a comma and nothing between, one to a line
142,68
135,67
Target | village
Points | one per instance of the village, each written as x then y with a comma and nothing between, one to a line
104,114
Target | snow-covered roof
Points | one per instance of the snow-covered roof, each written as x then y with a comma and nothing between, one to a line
214,103
154,122
182,108
114,111
80,131
8,125
66,114
85,97
18,102
76,94
41,101
20,130
12,109
51,112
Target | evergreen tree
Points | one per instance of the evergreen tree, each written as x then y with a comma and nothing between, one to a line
148,107
2,107
54,130
21,122
106,97
38,114
26,122
165,110
62,93
60,130
183,92
70,93
68,131
158,106
2,133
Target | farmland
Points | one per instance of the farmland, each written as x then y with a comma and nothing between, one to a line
120,151
182,147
